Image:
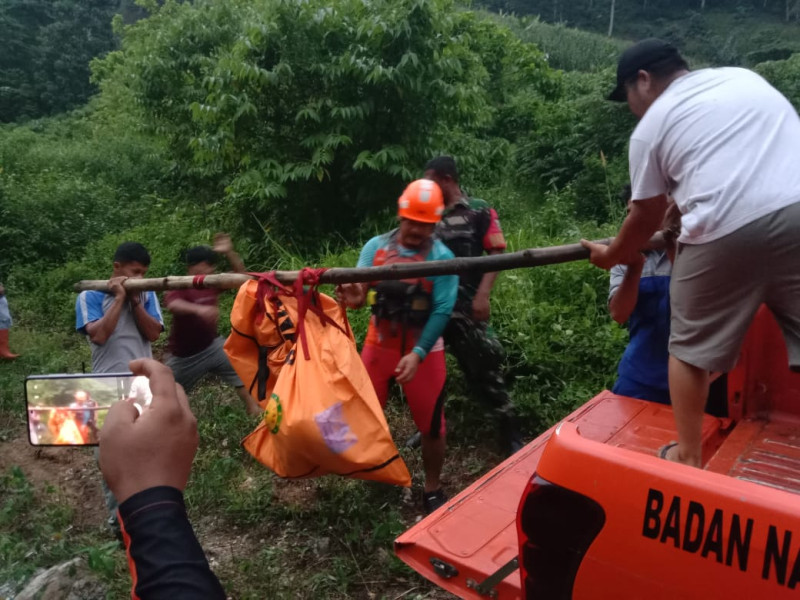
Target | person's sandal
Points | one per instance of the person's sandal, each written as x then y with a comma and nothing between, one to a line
662,452
433,500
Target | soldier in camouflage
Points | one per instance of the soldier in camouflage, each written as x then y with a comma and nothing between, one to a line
471,227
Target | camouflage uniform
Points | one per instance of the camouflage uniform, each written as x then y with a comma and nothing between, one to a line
469,228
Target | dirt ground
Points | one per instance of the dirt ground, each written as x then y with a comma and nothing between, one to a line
72,472
73,477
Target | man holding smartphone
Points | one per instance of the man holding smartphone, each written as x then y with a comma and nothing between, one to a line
120,326
146,455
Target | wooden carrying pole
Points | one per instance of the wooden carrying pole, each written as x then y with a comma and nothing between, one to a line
532,257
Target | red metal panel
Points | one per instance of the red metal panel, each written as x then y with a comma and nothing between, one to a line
769,385
476,531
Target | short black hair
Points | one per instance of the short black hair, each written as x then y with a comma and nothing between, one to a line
132,252
664,68
200,254
443,166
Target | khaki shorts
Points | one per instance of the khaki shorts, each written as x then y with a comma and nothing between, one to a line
716,289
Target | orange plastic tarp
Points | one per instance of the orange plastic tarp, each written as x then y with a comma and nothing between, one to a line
294,349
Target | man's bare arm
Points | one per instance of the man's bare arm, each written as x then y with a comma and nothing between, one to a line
99,331
149,327
184,307
488,279
641,223
480,303
224,245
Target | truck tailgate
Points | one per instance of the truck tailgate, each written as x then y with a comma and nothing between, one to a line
474,535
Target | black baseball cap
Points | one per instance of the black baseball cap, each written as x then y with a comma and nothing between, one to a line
638,57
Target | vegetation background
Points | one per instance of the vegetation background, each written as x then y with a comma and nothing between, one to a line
293,126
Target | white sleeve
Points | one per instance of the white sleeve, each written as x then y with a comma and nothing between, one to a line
647,180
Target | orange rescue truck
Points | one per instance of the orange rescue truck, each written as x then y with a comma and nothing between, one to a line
588,511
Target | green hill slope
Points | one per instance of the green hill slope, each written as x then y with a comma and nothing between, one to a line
733,32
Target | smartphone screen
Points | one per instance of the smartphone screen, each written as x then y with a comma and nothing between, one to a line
69,410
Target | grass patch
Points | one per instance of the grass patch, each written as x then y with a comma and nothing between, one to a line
327,537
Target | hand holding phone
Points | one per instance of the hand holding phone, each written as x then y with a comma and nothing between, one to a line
154,448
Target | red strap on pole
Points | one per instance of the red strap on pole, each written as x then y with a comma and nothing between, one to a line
305,291
307,277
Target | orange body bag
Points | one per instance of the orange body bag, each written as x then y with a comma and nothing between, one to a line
294,351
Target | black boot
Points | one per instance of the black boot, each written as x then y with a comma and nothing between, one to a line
510,437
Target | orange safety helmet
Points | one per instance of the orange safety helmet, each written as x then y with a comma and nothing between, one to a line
421,201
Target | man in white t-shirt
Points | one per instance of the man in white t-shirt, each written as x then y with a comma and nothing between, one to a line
726,146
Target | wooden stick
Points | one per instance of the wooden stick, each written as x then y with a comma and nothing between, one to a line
532,257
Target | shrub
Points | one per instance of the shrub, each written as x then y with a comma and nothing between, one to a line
63,185
784,75
565,47
580,141
302,115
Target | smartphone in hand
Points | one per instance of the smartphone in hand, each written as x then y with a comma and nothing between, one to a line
69,410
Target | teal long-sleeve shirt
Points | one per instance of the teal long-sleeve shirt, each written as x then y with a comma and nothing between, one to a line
445,288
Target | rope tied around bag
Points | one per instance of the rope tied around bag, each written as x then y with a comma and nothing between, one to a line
304,289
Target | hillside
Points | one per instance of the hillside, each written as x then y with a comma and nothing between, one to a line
716,32
293,126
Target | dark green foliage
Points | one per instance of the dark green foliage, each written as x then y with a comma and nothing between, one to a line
45,51
63,184
306,117
731,32
565,47
587,13
580,141
784,75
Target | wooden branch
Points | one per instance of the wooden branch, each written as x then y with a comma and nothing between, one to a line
532,257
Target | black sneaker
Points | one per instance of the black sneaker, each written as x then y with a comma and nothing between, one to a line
515,444
415,441
433,500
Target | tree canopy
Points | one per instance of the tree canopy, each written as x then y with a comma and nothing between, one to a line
314,112
45,52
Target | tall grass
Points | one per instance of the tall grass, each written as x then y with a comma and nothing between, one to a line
566,48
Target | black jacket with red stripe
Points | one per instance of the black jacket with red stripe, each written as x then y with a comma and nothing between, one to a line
165,559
